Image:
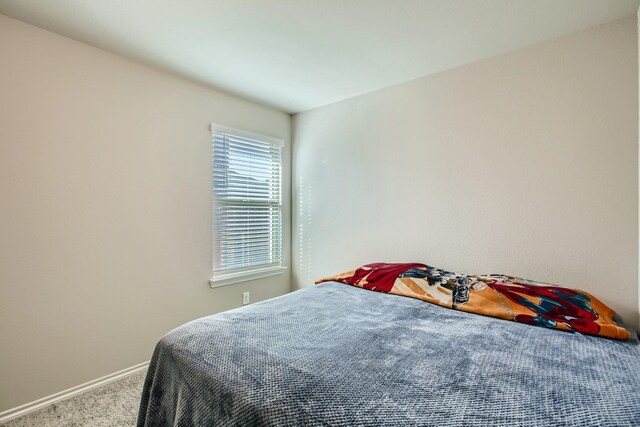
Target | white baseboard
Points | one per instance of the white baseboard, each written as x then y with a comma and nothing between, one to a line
66,394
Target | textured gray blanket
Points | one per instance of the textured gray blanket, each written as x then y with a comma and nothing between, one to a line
335,355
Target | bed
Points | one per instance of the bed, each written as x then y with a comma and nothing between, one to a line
337,355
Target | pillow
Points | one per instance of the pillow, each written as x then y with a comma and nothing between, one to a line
496,295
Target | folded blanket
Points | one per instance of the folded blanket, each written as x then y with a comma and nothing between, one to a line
504,297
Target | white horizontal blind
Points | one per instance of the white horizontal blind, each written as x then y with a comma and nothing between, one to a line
247,201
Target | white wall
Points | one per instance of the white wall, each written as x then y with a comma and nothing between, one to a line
523,164
105,209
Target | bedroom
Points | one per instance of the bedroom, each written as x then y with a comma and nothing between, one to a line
475,136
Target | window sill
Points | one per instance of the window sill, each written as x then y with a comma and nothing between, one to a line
245,276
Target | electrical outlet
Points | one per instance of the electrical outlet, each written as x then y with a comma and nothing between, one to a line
246,298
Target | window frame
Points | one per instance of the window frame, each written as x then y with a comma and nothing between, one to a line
230,276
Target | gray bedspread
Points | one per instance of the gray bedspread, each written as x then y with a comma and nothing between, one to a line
335,355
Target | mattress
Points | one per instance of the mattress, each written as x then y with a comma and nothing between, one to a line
337,355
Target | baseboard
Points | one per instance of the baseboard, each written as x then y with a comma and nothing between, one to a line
66,394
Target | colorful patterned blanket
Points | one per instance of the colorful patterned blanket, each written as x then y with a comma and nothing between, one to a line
505,297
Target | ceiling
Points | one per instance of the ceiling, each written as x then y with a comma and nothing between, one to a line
296,55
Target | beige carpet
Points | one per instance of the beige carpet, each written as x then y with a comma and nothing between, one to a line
112,405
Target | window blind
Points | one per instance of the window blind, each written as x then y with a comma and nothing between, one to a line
247,201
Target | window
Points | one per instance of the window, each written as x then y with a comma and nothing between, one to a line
247,206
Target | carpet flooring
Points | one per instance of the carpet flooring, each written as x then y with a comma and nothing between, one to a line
112,405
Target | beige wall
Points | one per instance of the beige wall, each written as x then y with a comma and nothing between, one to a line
523,164
105,209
